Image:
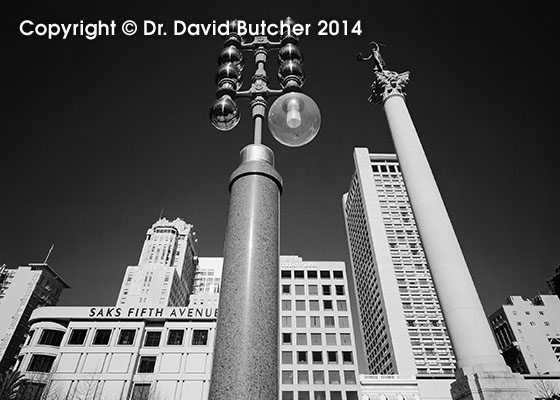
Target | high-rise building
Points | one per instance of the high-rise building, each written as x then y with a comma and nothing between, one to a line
165,272
317,342
21,291
528,334
400,317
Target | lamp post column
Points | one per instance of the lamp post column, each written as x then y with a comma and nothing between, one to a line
481,370
245,365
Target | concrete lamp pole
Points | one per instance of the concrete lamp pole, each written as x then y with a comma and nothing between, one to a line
245,363
481,371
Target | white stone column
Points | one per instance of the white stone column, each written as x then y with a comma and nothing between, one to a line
471,337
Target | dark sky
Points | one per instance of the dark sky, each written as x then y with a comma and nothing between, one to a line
98,136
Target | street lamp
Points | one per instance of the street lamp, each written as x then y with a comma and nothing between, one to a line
245,362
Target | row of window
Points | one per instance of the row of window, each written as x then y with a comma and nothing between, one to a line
315,321
318,395
311,274
315,339
102,337
314,305
318,377
313,290
317,357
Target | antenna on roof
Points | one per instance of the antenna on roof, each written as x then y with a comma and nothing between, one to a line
49,254
161,213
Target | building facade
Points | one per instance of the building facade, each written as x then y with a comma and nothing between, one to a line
400,316
554,282
21,291
317,343
528,334
165,272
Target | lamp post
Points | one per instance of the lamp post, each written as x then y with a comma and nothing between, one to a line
245,362
481,371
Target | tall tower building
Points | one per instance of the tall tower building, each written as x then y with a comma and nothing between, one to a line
165,272
400,316
21,291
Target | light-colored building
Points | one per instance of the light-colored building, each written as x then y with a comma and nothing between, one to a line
400,316
317,343
21,291
528,334
165,272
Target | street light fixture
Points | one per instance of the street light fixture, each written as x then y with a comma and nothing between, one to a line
245,361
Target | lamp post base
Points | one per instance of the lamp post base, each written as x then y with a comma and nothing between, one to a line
245,365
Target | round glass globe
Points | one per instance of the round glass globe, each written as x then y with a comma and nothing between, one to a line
294,119
224,113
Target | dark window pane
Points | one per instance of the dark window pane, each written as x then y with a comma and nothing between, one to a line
51,337
152,338
127,336
175,337
41,363
312,274
77,336
147,364
325,274
337,274
200,337
298,274
102,337
141,391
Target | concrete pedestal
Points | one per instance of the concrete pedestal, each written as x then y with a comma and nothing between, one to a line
245,365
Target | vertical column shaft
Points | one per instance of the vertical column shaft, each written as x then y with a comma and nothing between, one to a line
245,365
466,322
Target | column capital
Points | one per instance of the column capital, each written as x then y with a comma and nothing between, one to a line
386,84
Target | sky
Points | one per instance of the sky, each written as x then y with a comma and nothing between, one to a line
100,135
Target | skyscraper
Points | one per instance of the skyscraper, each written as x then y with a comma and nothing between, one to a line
400,316
21,291
165,272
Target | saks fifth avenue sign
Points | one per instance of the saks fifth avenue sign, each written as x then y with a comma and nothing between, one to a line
153,312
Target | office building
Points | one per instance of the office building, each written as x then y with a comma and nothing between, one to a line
165,272
317,342
21,291
400,316
528,334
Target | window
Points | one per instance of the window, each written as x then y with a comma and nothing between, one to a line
326,290
352,395
331,339
175,337
102,337
315,322
41,363
287,377
343,322
141,391
349,377
298,274
302,357
334,379
286,338
300,290
50,337
335,395
77,336
339,290
303,377
126,337
316,339
317,357
300,305
152,339
313,290
338,274
341,305
147,364
200,337
332,357
345,339
327,304
318,378
329,321
301,339
287,395
286,322
320,395
286,305
303,395
300,322
347,357
314,305
287,357
325,274
285,289
286,274
312,274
